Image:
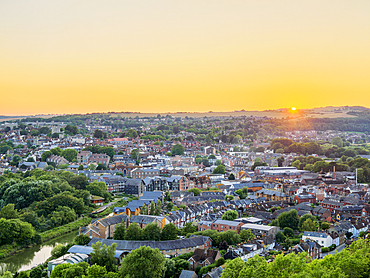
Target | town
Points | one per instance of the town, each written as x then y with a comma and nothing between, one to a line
194,196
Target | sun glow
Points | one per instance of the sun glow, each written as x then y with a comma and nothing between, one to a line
294,109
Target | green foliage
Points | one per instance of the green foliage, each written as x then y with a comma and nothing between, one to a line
196,191
246,235
230,215
188,229
120,232
325,225
354,261
71,129
178,149
169,232
229,197
309,225
104,256
257,163
243,193
304,218
289,219
151,232
220,169
135,154
14,230
9,212
131,133
143,262
288,232
133,232
81,240
96,271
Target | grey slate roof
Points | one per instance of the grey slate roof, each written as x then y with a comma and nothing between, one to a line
88,249
127,245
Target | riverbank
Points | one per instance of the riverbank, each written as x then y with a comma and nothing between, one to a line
12,249
36,255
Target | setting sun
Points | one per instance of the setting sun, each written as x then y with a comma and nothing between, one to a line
294,109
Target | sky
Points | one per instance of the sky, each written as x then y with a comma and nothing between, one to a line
83,56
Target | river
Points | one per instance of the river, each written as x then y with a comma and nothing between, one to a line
35,255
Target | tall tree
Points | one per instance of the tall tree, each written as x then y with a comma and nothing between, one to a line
169,232
230,215
133,232
143,262
178,149
120,232
289,219
104,256
151,232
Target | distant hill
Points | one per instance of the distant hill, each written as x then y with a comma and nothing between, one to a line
317,112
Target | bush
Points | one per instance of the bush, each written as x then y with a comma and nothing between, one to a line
325,249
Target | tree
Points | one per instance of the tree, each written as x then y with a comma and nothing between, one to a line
98,133
288,232
246,235
36,272
212,156
35,132
231,176
325,225
220,169
104,256
71,129
135,154
280,161
132,133
280,237
169,206
120,232
169,232
289,219
218,162
8,212
230,215
223,245
243,193
133,232
101,167
69,154
152,208
151,232
229,197
81,167
158,207
178,149
81,240
309,225
143,262
196,191
304,218
257,163
349,235
337,141
188,229
96,271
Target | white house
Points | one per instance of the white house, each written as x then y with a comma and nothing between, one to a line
323,239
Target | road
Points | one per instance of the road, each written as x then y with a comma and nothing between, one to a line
338,249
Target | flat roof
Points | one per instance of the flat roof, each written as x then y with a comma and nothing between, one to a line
258,227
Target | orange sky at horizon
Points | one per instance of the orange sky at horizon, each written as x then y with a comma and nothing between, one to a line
165,56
